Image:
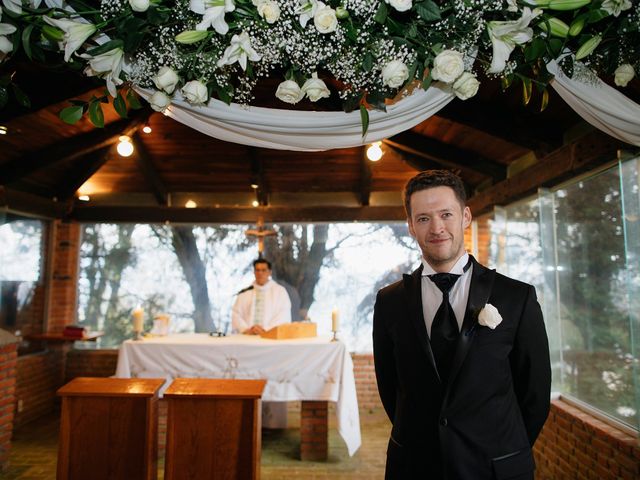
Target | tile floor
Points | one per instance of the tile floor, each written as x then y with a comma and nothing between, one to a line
34,450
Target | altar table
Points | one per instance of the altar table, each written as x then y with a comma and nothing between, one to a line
305,369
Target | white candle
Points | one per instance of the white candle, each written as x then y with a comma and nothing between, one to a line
138,319
335,320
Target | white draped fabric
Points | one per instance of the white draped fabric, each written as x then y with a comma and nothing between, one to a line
599,104
300,369
301,130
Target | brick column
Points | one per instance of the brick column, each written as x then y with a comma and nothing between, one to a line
8,361
314,429
65,251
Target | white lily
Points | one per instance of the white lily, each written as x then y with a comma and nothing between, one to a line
615,7
75,33
307,9
213,12
14,6
108,66
5,44
48,3
239,51
507,34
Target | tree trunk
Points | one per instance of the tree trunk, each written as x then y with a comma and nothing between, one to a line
184,244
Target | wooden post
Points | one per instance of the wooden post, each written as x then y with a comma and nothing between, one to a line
108,429
213,429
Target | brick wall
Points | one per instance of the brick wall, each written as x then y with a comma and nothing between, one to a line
574,445
8,356
38,377
90,363
64,275
366,387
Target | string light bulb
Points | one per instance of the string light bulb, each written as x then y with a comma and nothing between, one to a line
84,198
255,203
374,152
190,204
147,128
125,147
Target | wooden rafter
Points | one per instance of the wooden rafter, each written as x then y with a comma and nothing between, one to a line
155,181
68,149
365,178
84,168
445,155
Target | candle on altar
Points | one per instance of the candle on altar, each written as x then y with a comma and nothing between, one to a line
138,319
335,320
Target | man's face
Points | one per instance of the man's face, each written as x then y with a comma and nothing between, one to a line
437,223
262,273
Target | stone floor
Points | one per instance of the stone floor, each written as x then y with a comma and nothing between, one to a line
34,450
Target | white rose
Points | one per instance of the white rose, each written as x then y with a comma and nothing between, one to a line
269,10
395,73
195,92
289,92
400,5
624,74
139,5
466,86
166,79
159,101
325,19
315,89
447,66
489,317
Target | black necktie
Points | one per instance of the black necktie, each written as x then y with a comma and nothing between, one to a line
444,329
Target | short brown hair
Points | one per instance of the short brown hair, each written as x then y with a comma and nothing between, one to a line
432,179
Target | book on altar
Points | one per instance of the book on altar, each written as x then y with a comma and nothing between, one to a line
74,331
292,330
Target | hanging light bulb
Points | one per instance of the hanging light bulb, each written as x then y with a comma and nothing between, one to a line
190,204
147,129
374,152
84,198
125,147
255,203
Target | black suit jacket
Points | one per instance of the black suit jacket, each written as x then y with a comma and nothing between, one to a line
483,423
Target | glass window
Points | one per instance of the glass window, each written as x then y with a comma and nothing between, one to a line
194,273
21,265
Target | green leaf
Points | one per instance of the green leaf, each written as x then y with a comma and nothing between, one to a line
364,118
367,62
545,100
505,81
352,33
534,50
526,91
555,47
26,40
71,115
158,15
381,14
95,114
412,71
351,103
4,97
105,47
597,15
133,100
21,97
376,100
428,11
223,95
120,105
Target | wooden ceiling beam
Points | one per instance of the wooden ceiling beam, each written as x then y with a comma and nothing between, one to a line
155,181
31,205
258,177
566,162
365,177
87,213
82,170
69,149
446,155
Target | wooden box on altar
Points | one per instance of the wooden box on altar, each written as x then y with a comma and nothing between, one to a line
292,330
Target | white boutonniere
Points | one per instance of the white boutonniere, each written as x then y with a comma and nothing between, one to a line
489,317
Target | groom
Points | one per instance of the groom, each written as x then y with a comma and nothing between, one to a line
461,353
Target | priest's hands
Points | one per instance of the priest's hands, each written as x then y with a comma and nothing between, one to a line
254,330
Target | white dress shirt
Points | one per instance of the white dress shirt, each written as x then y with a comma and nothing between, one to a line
458,296
276,307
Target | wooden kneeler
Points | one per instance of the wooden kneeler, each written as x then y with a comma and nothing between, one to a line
108,429
213,429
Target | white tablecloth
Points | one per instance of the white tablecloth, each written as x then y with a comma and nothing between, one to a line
300,369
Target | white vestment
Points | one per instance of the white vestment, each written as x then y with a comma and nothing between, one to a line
277,307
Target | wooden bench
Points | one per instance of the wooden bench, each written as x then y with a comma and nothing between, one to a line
213,429
108,429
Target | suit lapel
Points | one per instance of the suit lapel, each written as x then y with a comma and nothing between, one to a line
479,292
413,290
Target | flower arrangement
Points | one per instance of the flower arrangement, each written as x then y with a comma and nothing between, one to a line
367,51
